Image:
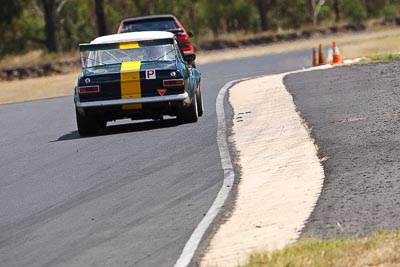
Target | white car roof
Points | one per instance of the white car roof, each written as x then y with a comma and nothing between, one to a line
132,37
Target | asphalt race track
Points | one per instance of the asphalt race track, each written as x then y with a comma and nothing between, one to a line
129,197
354,116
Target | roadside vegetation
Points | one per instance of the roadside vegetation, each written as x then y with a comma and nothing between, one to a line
379,249
58,26
381,58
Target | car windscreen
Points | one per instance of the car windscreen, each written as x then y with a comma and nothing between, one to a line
165,24
105,58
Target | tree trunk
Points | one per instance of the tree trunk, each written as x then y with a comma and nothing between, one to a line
336,8
310,6
262,10
150,7
315,8
49,7
370,8
101,19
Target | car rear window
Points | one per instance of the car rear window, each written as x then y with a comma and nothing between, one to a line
99,61
150,25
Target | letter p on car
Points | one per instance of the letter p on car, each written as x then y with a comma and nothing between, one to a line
150,74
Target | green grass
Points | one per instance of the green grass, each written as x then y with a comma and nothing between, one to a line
379,249
381,58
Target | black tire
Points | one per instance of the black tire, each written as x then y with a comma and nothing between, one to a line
200,106
189,114
88,125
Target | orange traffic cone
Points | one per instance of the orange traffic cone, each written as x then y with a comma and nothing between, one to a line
315,60
322,59
337,58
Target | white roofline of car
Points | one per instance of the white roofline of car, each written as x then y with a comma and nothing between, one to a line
132,37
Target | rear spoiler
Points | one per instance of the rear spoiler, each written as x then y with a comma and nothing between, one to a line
177,31
123,45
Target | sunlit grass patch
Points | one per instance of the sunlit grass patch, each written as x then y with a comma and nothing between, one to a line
378,249
36,57
381,58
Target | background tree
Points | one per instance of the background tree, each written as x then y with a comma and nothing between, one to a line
336,9
9,12
355,10
262,11
147,7
210,13
75,25
315,8
101,19
51,9
263,6
374,7
60,25
291,14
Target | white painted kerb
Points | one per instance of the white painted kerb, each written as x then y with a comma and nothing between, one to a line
281,173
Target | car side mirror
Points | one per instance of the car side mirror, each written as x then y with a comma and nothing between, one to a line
190,57
190,34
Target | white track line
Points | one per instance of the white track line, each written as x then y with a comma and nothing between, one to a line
193,243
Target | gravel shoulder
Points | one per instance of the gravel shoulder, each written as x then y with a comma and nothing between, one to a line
354,115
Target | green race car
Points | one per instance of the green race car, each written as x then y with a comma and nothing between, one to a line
138,75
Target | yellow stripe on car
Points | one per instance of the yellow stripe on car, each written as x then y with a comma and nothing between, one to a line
128,45
130,83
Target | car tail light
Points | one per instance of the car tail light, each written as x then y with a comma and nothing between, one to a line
174,82
183,39
89,89
185,43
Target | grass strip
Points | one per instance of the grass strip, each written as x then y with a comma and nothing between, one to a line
381,248
381,58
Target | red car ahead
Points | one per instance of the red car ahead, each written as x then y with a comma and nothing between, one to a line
167,23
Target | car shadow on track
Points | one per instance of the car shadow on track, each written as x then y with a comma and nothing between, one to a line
122,128
138,126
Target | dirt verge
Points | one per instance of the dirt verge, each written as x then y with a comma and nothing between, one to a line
38,88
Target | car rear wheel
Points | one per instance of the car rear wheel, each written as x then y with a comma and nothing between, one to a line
88,125
189,114
200,106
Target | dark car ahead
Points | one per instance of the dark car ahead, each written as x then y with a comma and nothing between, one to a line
139,75
159,23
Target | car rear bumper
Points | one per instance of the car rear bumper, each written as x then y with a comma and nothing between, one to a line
142,100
